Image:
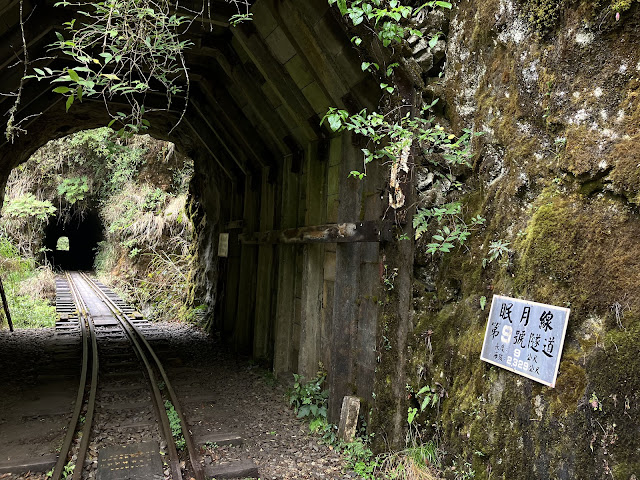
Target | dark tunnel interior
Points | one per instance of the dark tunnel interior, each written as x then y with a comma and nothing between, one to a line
84,232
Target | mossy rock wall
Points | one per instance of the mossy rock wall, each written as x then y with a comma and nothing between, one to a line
558,177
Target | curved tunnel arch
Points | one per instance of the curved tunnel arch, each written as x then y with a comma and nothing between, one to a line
262,163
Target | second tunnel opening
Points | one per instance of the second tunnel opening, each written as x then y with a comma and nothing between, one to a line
84,230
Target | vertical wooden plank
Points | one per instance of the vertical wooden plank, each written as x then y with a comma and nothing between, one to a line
313,268
370,288
232,281
243,335
284,328
344,328
263,331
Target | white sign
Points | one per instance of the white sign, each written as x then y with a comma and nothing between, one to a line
223,245
525,338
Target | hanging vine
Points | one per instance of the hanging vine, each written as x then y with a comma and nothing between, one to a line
123,52
394,135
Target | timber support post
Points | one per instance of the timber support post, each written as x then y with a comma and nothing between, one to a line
6,306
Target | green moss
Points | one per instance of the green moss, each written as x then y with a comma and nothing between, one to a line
582,155
571,385
615,379
574,253
543,15
622,5
625,177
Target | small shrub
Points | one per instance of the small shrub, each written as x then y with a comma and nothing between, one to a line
307,398
174,422
73,189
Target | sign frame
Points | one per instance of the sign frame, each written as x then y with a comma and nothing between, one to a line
223,245
567,311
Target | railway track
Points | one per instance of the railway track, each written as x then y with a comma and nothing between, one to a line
126,411
92,400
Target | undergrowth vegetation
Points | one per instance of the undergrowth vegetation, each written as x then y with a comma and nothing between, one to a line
29,289
419,460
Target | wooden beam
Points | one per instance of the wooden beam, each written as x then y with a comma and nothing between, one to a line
276,75
318,65
237,156
368,231
196,131
229,114
265,112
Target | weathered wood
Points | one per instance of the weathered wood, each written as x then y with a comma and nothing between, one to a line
235,225
229,170
369,231
224,142
285,344
6,306
230,115
284,86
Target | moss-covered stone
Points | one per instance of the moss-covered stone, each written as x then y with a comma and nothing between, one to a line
558,178
574,252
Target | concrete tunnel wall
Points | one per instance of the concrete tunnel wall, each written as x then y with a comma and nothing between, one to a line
262,163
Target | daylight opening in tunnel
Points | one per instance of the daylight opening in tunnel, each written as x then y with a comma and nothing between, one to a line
83,232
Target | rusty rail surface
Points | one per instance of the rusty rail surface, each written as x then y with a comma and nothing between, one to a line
137,337
83,317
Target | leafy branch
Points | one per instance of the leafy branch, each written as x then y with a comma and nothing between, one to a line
125,48
385,16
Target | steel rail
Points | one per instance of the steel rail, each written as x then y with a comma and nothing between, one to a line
91,404
133,335
193,450
75,417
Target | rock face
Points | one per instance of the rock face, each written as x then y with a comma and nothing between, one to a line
555,87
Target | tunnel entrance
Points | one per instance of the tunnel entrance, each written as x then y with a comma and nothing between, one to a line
72,242
298,280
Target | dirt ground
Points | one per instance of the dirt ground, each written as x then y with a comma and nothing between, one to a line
246,400
220,393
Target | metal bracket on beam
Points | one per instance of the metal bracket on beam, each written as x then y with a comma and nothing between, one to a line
367,231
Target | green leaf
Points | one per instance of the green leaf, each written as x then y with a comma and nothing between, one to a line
107,57
304,411
342,5
335,122
61,90
39,71
444,5
73,75
70,102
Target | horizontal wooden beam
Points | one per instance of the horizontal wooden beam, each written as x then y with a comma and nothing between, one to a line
368,231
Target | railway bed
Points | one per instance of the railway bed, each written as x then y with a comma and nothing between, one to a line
96,393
